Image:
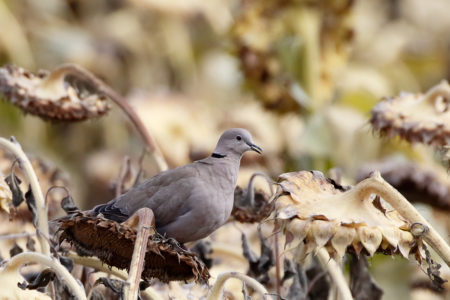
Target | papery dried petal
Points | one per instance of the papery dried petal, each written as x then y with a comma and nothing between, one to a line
321,232
370,238
405,244
342,238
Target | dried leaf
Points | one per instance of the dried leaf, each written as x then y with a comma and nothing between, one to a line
203,249
114,285
31,203
30,244
14,185
96,295
68,204
41,280
15,250
258,266
66,262
362,284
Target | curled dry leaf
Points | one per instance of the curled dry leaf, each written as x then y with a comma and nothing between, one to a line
113,244
41,280
49,175
417,182
61,95
318,212
422,118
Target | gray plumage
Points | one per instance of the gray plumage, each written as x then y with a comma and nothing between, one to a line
192,201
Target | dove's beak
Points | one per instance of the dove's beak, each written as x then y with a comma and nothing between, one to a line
255,148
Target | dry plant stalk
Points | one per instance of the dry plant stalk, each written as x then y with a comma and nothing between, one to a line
336,274
146,221
216,290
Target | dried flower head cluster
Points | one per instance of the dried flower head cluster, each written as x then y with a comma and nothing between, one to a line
318,212
113,244
61,95
417,118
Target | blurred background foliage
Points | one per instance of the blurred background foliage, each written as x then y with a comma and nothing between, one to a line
302,76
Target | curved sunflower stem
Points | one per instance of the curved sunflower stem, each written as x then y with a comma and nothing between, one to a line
102,87
377,185
33,257
216,290
41,206
335,273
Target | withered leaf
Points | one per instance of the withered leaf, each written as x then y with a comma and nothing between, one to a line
15,250
30,244
66,262
299,285
289,270
68,205
41,280
203,249
14,185
31,203
114,284
318,285
258,266
362,284
433,271
96,295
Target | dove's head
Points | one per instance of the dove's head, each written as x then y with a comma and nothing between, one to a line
235,141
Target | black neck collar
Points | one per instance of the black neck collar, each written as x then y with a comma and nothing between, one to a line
217,155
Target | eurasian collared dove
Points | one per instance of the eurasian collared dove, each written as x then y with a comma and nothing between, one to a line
192,201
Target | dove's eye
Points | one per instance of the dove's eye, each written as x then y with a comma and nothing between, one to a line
238,138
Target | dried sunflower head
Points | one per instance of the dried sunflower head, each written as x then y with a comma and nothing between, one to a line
63,94
113,244
318,212
422,118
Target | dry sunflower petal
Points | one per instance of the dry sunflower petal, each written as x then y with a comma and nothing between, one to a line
335,217
423,118
113,244
61,95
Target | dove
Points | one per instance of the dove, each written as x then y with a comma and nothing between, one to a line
192,201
